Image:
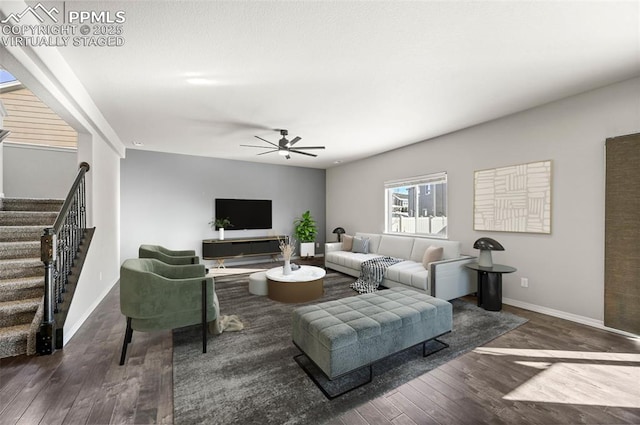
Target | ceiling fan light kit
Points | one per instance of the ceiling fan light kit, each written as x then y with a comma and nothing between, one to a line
284,146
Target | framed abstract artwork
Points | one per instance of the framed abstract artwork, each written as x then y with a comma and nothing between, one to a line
516,198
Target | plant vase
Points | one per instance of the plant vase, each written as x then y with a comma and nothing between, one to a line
307,249
286,269
221,233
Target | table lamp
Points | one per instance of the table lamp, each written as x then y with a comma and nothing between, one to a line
339,231
486,245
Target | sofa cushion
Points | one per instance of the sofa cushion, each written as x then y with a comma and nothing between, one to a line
347,242
351,260
360,245
374,241
451,248
395,246
432,254
409,273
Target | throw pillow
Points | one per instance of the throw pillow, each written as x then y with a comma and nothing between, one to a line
347,242
360,245
432,254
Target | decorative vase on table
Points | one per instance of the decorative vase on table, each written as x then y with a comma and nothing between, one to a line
221,233
286,269
287,248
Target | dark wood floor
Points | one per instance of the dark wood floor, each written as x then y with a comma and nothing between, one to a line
548,371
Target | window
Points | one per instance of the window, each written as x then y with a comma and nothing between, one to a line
417,206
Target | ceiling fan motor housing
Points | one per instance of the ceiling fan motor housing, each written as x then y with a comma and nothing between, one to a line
284,143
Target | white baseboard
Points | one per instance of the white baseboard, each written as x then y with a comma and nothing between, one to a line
566,316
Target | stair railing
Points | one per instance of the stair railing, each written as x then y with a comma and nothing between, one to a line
58,247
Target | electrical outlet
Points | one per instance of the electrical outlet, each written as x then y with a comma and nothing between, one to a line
524,282
317,244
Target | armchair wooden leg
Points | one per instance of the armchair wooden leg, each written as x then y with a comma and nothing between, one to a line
127,339
204,316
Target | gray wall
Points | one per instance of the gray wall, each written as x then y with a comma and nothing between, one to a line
565,269
38,171
101,268
168,199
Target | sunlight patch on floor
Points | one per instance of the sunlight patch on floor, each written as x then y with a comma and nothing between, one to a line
571,377
560,354
580,383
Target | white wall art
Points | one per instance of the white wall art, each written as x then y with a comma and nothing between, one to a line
516,198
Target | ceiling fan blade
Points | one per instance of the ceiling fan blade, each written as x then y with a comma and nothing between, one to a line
310,147
256,146
294,141
265,140
264,153
302,153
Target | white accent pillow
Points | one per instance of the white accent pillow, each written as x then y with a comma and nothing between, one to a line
432,254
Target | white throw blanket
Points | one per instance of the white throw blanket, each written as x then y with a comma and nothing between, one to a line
372,273
224,323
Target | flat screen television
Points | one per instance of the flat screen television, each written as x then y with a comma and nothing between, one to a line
245,213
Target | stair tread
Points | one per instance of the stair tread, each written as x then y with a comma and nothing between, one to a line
21,288
30,280
19,249
21,305
31,218
24,227
15,330
8,262
20,212
28,213
31,204
5,244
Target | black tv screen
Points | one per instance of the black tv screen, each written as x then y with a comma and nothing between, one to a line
244,213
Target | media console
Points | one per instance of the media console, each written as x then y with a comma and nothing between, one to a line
216,249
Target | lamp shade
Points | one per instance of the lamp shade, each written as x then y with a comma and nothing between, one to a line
339,231
488,244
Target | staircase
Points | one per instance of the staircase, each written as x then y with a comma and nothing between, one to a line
22,222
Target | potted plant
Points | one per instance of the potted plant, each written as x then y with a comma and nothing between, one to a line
220,224
306,232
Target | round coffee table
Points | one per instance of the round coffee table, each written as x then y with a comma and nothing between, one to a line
302,285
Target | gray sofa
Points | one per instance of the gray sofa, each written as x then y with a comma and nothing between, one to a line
447,279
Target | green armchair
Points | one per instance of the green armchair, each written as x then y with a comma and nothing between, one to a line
155,296
168,256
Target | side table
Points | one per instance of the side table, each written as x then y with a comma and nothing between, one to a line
490,284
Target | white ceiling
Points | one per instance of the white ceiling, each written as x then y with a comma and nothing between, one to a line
359,77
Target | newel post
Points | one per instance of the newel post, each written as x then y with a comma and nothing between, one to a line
45,340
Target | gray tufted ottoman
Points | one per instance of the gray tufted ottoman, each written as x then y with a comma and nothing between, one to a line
351,333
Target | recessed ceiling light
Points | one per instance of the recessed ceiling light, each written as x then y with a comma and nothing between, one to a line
138,143
337,162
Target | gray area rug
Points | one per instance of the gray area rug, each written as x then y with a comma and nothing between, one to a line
250,377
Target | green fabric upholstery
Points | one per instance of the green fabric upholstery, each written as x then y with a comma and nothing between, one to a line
159,296
168,256
156,296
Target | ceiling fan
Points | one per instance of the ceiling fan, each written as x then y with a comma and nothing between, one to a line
284,146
